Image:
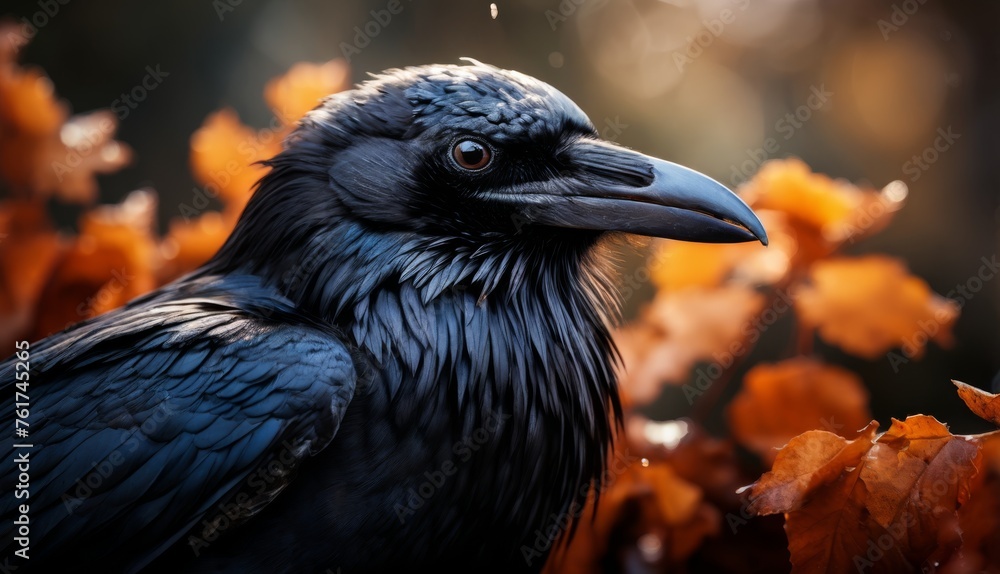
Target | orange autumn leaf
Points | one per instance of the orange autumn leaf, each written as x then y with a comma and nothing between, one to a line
918,474
709,462
113,260
645,365
782,400
44,152
811,460
705,321
678,329
90,149
223,156
65,162
984,405
891,508
29,249
906,459
832,534
303,86
836,209
789,185
29,102
224,152
676,499
869,305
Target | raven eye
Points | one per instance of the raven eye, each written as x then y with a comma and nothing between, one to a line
471,155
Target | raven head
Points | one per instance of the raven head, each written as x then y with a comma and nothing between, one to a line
479,150
440,173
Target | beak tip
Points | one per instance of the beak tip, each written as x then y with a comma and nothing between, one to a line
762,237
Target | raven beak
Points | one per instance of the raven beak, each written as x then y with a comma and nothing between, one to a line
610,188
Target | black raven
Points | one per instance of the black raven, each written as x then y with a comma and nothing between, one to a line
400,358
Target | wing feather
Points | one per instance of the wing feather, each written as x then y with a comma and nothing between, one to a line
147,419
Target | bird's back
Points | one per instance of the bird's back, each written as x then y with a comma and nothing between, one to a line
145,418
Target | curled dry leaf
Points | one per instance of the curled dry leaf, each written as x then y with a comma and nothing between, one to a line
811,460
984,405
869,305
782,400
890,507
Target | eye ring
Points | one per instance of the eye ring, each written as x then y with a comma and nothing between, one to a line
471,154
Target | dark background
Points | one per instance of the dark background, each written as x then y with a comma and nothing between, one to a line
892,89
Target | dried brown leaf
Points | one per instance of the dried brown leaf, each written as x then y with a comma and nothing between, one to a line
984,405
809,461
892,508
782,400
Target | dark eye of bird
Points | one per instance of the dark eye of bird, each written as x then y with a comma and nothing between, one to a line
471,155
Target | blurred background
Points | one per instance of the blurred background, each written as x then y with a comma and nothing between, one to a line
869,91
